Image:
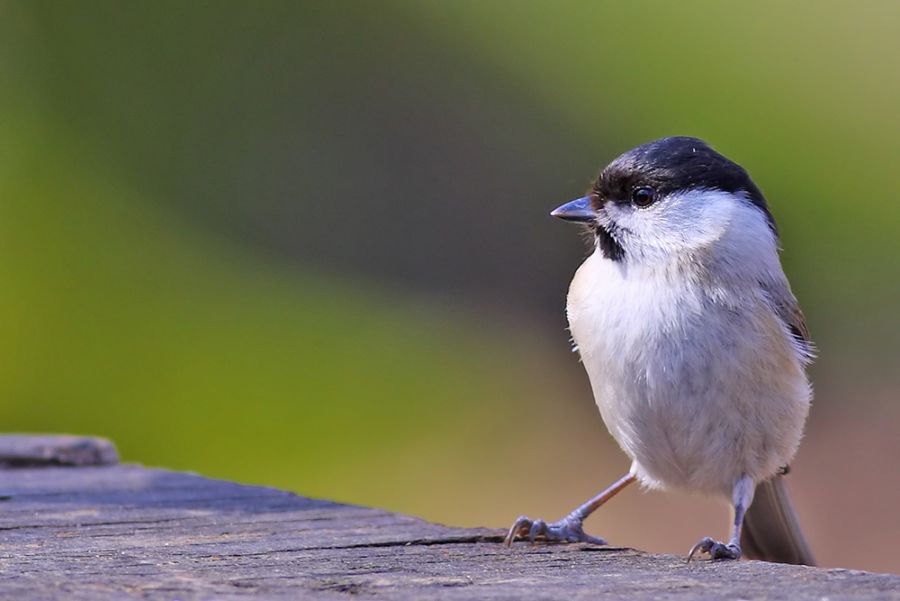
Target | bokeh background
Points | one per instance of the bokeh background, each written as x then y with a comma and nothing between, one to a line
306,244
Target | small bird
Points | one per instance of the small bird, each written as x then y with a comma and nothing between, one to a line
693,342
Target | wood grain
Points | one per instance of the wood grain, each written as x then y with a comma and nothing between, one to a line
129,532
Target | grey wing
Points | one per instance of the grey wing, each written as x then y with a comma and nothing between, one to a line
771,530
788,309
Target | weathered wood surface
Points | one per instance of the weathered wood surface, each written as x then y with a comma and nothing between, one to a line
22,450
124,531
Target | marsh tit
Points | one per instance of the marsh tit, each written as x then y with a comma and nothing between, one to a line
693,342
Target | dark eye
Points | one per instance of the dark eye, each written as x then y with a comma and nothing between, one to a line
643,196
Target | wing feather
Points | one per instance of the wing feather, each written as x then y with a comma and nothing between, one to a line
788,310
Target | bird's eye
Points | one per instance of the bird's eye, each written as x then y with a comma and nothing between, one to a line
643,196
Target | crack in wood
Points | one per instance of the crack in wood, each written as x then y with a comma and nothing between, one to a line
163,535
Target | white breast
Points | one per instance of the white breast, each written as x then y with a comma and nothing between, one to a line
694,375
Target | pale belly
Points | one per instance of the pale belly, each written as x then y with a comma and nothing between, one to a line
698,387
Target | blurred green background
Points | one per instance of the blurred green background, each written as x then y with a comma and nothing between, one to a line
306,244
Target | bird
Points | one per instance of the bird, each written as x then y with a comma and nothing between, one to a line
694,344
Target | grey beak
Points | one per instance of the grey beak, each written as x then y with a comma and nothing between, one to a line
579,210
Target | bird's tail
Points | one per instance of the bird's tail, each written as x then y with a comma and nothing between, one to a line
771,531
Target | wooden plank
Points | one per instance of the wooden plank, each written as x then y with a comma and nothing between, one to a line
124,531
22,450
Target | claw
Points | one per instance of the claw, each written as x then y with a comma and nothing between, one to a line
566,530
519,527
715,549
704,546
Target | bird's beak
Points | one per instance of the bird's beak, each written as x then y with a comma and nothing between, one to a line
579,210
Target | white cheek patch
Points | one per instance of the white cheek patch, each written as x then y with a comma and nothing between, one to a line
678,222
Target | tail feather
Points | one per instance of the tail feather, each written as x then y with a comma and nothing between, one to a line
771,531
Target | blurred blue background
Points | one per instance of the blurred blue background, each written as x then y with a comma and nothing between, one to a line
306,244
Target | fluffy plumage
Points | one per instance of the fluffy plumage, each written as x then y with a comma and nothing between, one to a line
693,342
695,371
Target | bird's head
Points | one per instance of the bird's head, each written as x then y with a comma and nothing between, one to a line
667,197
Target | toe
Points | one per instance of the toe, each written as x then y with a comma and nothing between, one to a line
715,549
594,540
703,546
573,532
519,527
563,531
721,551
538,530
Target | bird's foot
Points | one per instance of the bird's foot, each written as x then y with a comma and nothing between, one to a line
567,530
715,549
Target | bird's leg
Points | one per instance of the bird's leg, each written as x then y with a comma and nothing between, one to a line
569,529
741,497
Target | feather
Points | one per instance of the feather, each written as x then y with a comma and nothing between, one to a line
771,531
